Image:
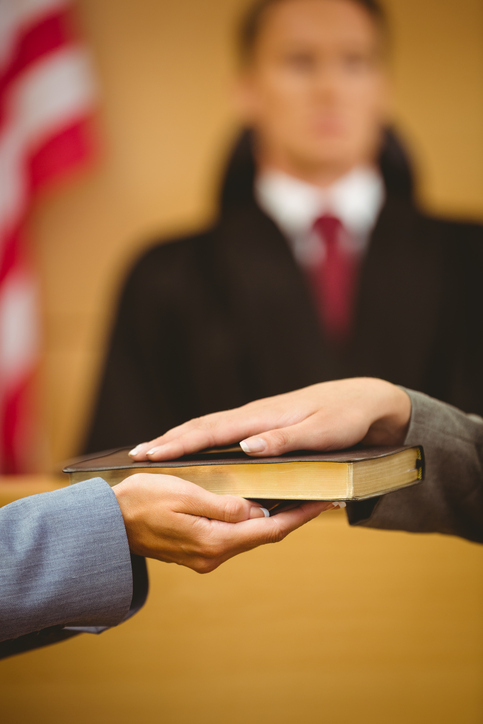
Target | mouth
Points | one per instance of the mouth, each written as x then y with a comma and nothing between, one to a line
329,126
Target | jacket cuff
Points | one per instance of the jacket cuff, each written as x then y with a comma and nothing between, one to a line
121,575
69,562
450,499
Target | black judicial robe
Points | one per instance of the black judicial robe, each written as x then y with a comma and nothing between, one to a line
217,319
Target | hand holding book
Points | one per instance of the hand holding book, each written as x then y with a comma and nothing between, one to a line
175,521
327,416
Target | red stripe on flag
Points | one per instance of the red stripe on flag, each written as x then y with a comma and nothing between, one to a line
64,150
48,35
33,43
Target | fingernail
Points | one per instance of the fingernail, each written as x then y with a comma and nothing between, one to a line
339,504
254,445
135,450
152,451
258,512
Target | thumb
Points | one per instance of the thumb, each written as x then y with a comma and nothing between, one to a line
226,508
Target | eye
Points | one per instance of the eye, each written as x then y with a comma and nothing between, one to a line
356,62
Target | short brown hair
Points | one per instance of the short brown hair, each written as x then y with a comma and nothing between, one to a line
252,22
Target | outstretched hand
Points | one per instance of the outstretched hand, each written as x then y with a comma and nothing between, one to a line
327,416
175,521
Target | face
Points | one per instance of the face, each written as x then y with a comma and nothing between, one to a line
315,87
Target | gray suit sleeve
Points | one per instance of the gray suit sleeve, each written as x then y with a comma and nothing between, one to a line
64,560
450,499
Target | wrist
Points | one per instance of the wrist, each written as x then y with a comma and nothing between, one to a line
124,497
392,415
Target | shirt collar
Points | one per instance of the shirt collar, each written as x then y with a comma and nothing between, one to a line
356,199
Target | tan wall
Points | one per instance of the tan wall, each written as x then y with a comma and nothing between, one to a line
165,118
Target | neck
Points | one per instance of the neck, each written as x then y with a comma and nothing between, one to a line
322,175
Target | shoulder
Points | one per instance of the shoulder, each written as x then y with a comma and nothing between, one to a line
403,208
463,243
458,241
454,229
167,266
172,251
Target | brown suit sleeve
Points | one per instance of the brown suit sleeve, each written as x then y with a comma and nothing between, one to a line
450,500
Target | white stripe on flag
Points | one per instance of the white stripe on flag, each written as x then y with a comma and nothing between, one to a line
16,15
56,91
19,327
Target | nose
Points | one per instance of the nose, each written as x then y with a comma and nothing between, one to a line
328,81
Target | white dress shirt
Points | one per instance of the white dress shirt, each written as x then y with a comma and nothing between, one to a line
356,199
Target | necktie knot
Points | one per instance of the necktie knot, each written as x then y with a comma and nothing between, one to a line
329,228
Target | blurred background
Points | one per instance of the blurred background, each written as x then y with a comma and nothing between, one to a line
164,123
334,625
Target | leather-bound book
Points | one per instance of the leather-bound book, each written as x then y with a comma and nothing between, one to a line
355,474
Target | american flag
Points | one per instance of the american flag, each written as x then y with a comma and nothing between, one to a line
46,96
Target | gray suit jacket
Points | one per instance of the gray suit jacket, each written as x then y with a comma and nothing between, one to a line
65,567
450,500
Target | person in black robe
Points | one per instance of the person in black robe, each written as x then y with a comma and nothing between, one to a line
218,318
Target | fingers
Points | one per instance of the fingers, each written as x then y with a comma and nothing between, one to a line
178,522
185,444
139,452
179,441
290,520
254,533
206,432
225,508
219,428
309,434
229,541
211,433
193,500
322,430
181,496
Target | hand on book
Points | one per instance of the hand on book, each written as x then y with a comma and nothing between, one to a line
328,416
178,522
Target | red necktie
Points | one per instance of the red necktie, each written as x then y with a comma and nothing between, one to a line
334,280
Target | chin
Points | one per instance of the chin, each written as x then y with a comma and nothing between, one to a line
331,157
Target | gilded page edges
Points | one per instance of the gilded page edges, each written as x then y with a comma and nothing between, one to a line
350,480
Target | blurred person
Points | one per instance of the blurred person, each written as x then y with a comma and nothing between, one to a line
339,414
72,561
320,265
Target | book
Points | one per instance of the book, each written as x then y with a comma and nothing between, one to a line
355,474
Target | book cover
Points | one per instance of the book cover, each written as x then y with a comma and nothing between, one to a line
354,474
